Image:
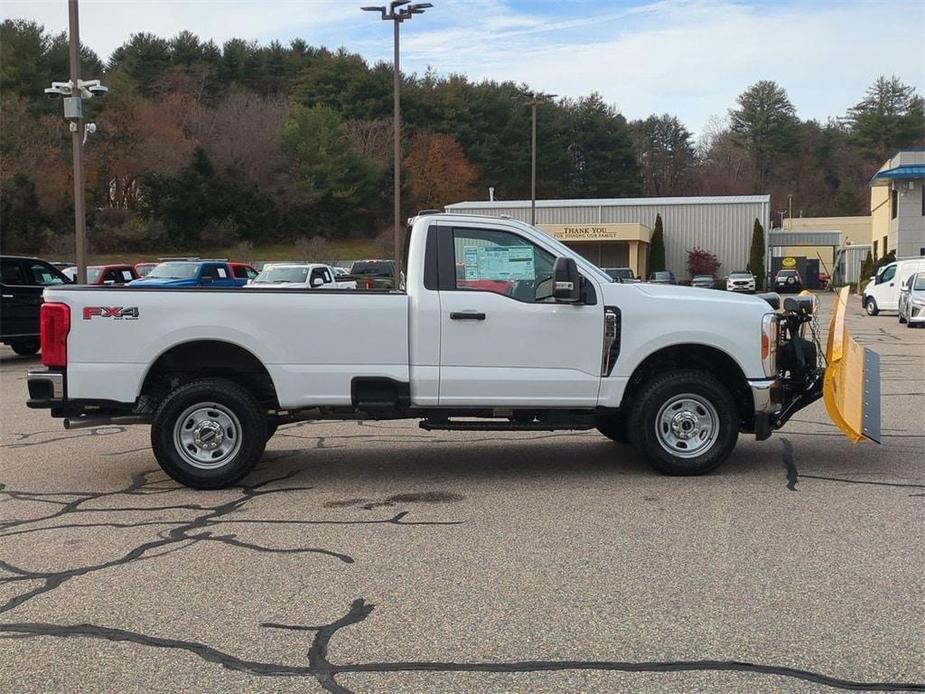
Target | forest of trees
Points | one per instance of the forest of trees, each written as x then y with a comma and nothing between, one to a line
205,145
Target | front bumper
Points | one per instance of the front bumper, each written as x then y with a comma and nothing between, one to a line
766,396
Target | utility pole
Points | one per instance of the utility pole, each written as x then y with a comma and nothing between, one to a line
396,13
790,212
73,93
535,100
77,132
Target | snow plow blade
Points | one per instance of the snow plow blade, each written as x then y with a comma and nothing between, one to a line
851,388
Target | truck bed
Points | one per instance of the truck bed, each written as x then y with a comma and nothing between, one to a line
312,342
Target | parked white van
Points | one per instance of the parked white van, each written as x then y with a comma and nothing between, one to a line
882,292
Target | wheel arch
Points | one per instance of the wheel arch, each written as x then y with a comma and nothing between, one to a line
701,357
204,358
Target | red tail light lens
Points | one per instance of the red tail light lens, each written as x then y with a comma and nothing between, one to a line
54,325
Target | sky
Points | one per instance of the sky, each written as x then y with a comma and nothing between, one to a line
689,58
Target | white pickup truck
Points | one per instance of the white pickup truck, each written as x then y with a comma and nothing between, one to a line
299,276
499,327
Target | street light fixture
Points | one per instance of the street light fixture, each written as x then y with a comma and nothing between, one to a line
397,12
72,93
536,98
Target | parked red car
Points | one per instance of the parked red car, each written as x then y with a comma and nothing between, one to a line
243,271
104,274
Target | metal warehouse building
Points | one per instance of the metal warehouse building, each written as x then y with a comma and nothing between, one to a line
617,232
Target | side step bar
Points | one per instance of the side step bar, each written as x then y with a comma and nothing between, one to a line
448,425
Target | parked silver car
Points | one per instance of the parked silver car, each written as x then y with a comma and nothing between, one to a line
703,281
912,300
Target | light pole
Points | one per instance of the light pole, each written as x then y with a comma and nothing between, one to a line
397,13
73,93
535,100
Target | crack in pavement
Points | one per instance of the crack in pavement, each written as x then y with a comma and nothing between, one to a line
180,535
325,672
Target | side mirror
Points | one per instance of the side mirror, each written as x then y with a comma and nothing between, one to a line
109,282
317,282
566,282
208,280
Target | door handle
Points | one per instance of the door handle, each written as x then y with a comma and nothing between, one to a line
467,315
7,296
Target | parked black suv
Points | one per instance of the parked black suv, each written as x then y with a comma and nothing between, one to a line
22,281
788,281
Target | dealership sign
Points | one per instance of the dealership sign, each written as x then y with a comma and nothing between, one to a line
598,232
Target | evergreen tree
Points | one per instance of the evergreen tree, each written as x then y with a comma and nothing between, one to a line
890,116
657,249
764,125
756,255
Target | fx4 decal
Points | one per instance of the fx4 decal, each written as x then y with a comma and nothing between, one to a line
115,312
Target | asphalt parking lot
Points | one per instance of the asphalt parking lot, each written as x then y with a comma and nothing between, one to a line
379,557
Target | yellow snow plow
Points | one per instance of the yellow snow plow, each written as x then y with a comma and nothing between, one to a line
847,378
851,386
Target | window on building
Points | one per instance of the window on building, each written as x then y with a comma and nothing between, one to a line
885,248
875,250
894,198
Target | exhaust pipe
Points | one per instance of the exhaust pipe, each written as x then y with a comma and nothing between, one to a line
102,421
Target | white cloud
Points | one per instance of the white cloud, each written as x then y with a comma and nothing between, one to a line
686,57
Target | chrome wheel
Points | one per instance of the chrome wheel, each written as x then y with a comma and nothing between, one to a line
207,435
687,425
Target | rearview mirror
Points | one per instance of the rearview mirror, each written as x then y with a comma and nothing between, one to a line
566,282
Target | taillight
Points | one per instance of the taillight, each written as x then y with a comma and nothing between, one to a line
54,325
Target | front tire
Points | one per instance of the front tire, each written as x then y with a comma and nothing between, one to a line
685,423
871,306
26,348
209,433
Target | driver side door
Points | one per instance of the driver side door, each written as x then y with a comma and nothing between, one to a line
504,341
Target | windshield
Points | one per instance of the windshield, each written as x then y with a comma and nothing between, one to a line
919,282
174,271
279,274
661,275
739,275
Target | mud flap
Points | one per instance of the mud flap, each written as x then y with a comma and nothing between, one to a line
851,388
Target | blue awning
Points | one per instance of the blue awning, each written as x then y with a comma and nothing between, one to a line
902,173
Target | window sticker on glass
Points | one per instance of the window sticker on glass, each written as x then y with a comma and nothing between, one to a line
221,272
127,275
500,262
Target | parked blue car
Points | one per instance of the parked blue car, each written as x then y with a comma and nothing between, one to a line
190,274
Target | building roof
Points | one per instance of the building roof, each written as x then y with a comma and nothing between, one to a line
613,202
904,172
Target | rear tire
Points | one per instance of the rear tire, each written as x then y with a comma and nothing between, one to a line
26,348
209,433
685,423
871,306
